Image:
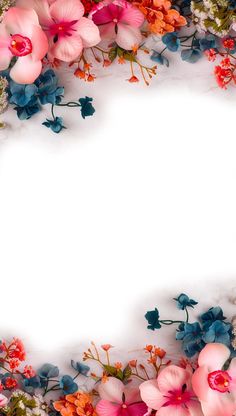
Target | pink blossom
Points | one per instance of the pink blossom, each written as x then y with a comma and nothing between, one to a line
67,30
3,400
119,400
22,37
119,21
171,394
215,388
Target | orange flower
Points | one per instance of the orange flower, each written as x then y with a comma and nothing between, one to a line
106,347
161,18
77,404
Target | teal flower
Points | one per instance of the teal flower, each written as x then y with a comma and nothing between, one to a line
183,301
80,367
220,332
56,125
68,385
171,41
153,319
86,107
48,371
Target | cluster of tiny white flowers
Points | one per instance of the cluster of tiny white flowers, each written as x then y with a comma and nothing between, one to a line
233,343
211,15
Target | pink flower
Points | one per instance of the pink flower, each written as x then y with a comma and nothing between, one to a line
119,400
119,21
22,37
3,400
171,394
67,30
215,388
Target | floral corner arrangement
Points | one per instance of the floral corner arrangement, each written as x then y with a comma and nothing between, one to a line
199,382
39,37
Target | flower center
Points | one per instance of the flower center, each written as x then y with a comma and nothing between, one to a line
124,406
220,381
20,45
62,29
178,397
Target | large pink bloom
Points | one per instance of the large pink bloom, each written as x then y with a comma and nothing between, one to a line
119,400
215,388
119,21
67,30
171,393
21,36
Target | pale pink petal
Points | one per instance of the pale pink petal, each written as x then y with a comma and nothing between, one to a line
173,411
107,31
39,43
200,383
220,406
88,32
132,395
132,16
195,408
128,36
20,21
112,390
66,11
25,70
138,409
106,408
67,49
5,54
172,378
213,356
41,7
151,395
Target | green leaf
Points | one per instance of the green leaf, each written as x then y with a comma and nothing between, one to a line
127,373
112,54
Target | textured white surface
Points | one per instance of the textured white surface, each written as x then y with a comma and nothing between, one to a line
120,212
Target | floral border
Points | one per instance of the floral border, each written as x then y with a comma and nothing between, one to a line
200,382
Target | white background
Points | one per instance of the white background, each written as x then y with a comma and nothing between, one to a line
120,212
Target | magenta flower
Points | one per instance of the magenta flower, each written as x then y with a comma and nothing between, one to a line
215,388
22,37
67,30
119,400
119,21
171,394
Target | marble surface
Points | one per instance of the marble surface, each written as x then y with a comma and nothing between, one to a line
120,212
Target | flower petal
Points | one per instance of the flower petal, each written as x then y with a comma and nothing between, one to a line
106,408
20,21
195,408
173,411
128,36
5,54
25,70
41,7
67,49
151,395
213,356
172,378
39,42
112,390
88,32
137,409
132,16
66,11
108,31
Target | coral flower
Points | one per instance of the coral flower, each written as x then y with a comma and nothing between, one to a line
215,388
22,37
119,21
171,393
77,404
67,30
119,400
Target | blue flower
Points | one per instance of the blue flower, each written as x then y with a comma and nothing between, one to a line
232,5
159,58
183,301
26,112
219,331
171,41
22,95
30,384
68,385
86,108
48,90
153,319
208,42
80,367
212,315
191,335
191,55
56,125
48,371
